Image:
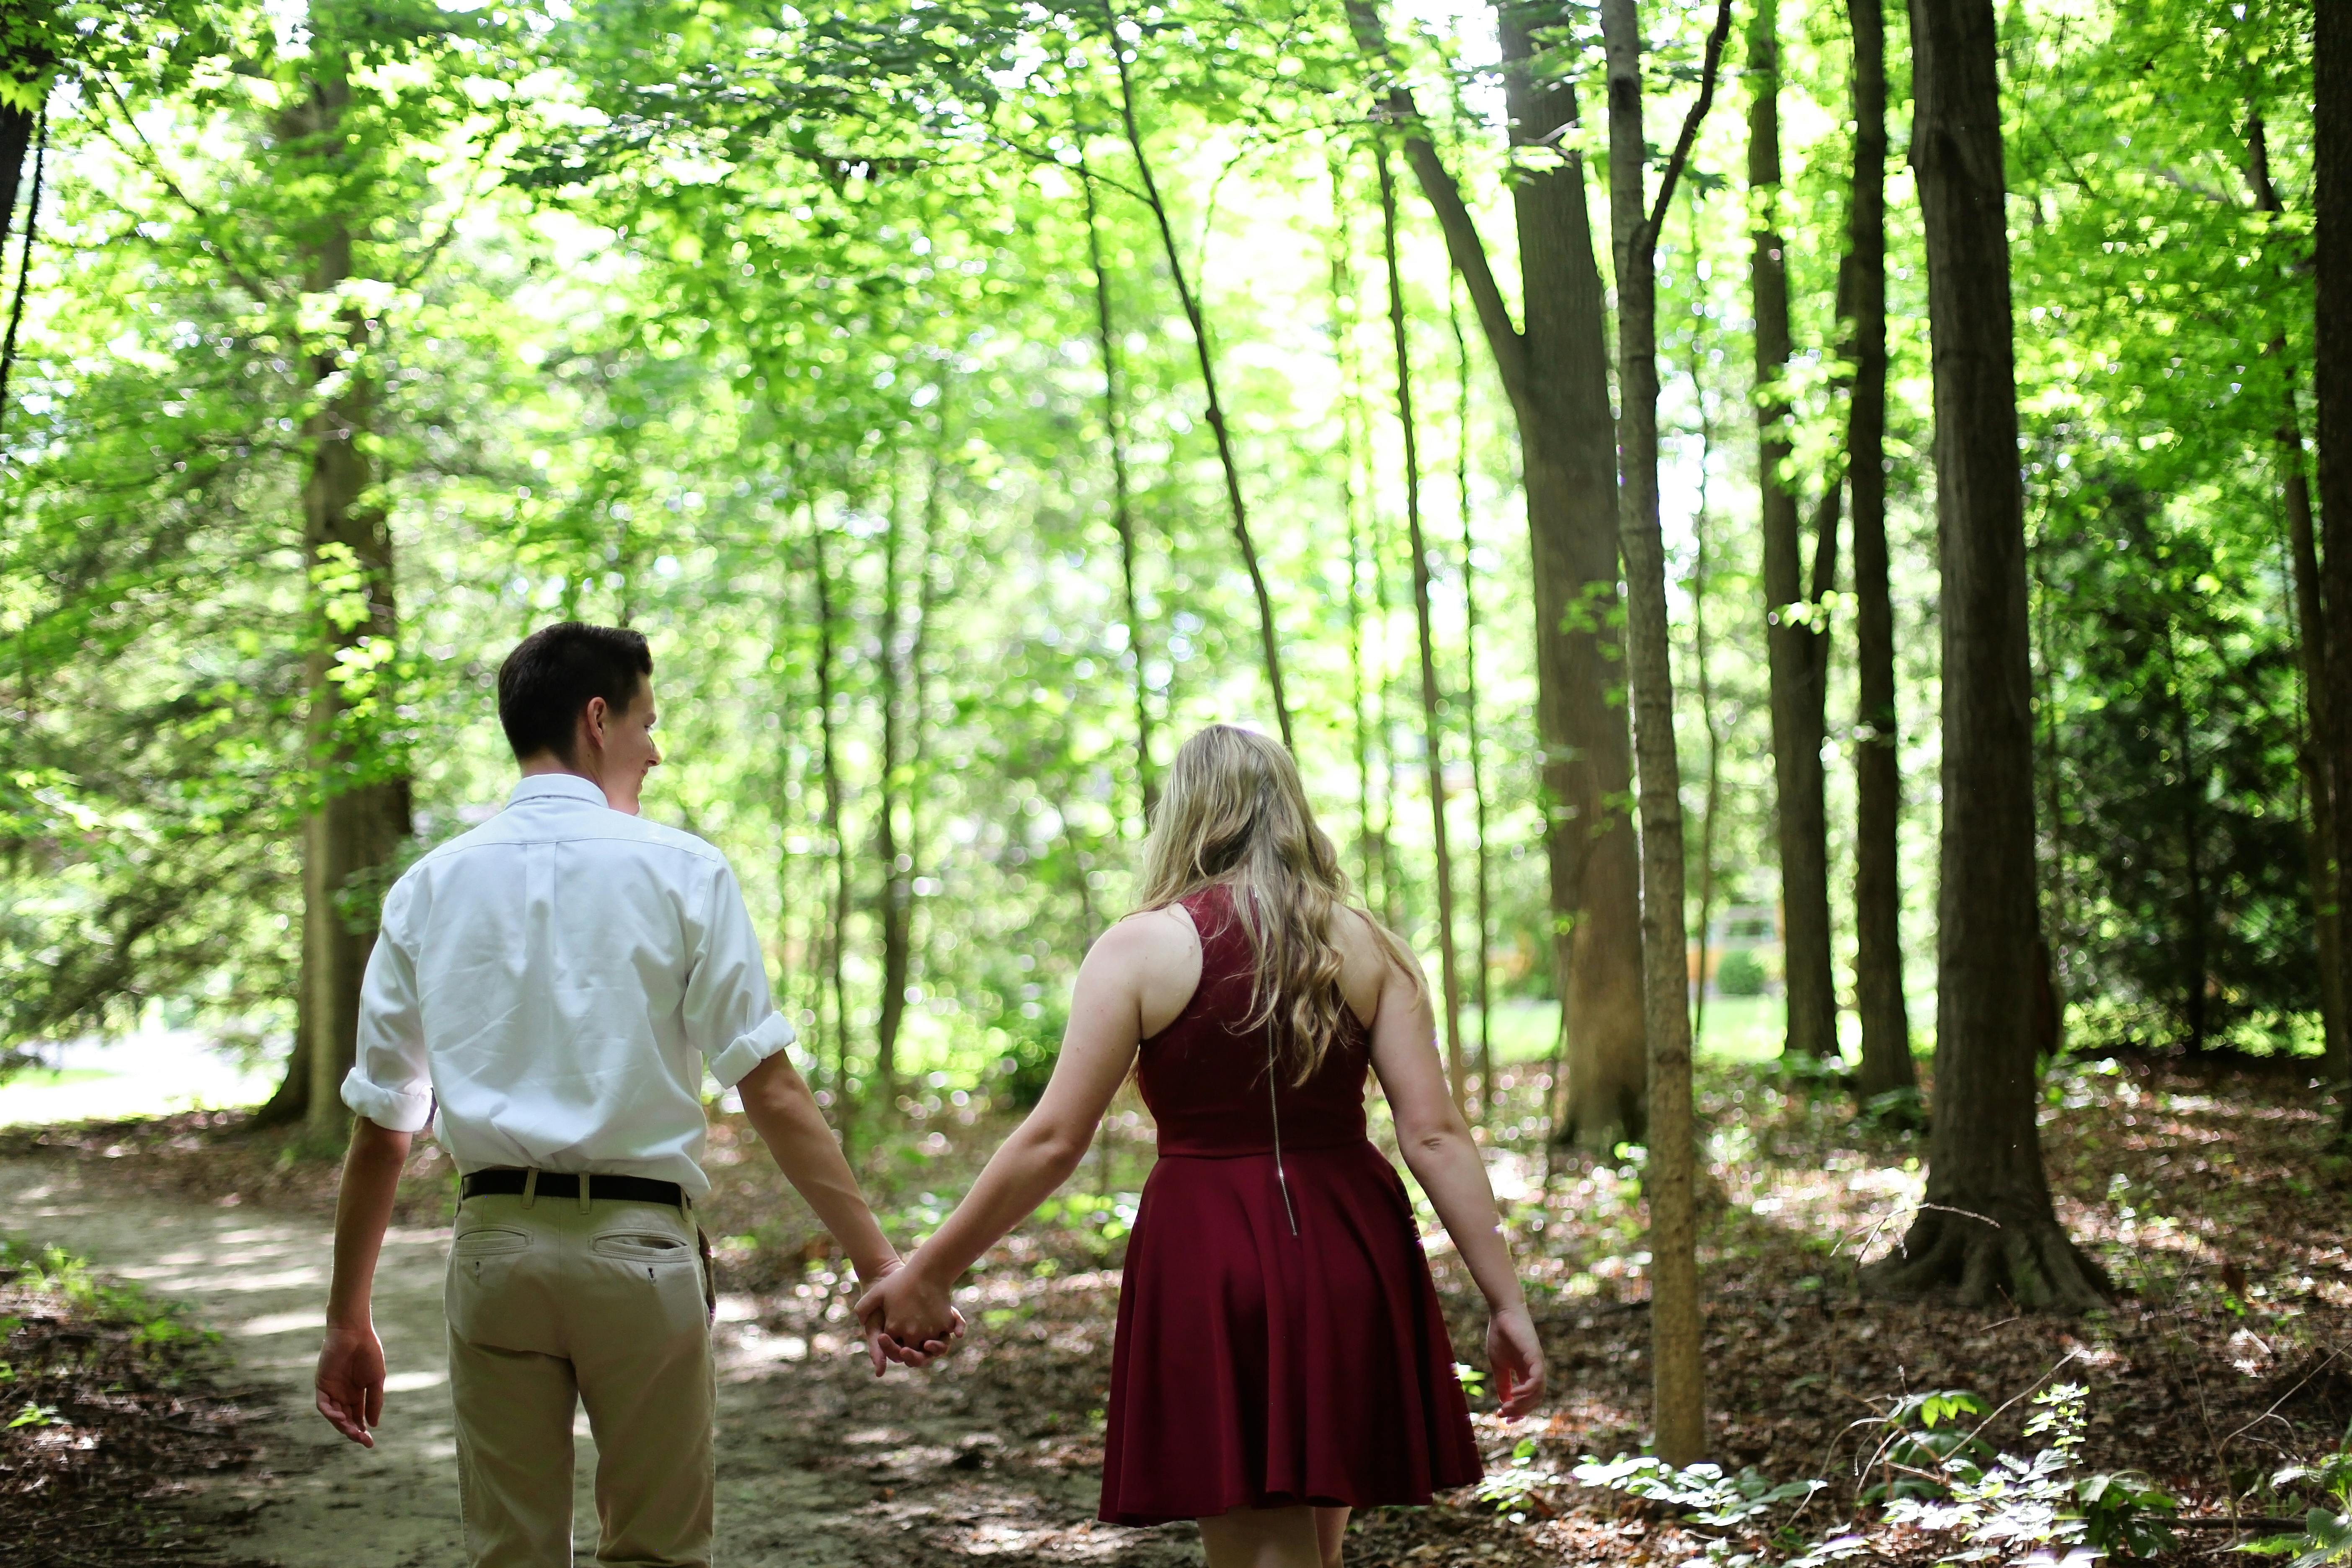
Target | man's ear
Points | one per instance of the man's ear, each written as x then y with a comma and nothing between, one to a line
594,717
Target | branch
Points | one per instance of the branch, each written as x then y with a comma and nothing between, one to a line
1707,76
1462,245
154,163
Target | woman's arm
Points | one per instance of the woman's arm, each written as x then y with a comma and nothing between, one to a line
1107,1009
1438,1149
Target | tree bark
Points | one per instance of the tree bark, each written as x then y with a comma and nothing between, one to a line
2320,783
289,1103
1701,669
1433,722
1669,1182
16,130
898,868
1269,643
1122,511
1556,373
1988,1231
2332,398
1470,733
1373,849
1799,798
359,813
845,1119
1878,783
15,125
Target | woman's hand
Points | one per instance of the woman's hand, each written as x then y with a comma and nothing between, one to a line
1518,1359
906,1317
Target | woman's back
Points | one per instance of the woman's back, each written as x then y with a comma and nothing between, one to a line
1209,1077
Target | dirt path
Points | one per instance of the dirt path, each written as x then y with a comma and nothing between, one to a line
819,1466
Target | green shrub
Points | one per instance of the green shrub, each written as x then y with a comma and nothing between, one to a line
1740,974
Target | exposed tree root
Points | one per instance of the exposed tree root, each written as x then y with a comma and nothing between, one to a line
2001,1256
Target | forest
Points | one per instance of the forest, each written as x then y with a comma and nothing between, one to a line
1798,548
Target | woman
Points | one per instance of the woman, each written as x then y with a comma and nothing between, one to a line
1280,1356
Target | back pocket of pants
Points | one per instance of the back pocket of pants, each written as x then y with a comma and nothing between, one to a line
652,1248
490,1240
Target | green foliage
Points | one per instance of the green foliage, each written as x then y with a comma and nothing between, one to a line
2326,1534
1941,1478
1703,1493
1740,974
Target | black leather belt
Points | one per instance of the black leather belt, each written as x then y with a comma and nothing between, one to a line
564,1184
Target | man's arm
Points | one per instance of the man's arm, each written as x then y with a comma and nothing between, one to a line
786,1115
350,1363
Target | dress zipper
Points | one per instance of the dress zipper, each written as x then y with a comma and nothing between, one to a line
1273,1107
1274,1112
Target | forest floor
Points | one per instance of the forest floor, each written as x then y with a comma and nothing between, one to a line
2210,1194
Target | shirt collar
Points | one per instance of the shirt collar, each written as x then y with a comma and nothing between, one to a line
567,786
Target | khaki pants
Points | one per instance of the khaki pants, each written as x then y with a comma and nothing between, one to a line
550,1300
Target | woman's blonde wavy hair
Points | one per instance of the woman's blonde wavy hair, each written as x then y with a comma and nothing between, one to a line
1232,810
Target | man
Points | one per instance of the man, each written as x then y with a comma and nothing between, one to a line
558,979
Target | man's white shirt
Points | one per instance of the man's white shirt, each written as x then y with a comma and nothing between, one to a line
559,978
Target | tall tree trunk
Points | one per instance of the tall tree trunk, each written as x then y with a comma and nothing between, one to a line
1122,510
1878,781
16,131
14,125
1395,909
1371,848
2332,399
1556,373
844,1109
1343,322
1986,1229
1800,808
1433,722
358,815
2194,946
898,868
2320,784
1701,524
1269,643
1670,1180
1470,734
289,1102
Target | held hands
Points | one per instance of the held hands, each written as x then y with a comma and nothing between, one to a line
350,1381
908,1317
1517,1355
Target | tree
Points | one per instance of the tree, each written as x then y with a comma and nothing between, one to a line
361,813
2332,400
1670,1180
1433,729
1878,779
1554,370
1147,783
1269,641
1795,639
1988,1229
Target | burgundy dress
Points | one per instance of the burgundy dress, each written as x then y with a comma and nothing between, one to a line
1258,1365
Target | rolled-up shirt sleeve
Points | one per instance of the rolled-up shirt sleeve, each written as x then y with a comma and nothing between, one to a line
391,1082
730,1016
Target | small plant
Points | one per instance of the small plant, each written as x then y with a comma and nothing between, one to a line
2327,1536
1703,1493
1520,1488
1941,1478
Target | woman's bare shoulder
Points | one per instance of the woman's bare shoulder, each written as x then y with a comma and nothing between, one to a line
1146,940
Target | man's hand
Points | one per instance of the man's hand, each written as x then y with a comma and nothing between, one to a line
350,1381
908,1317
